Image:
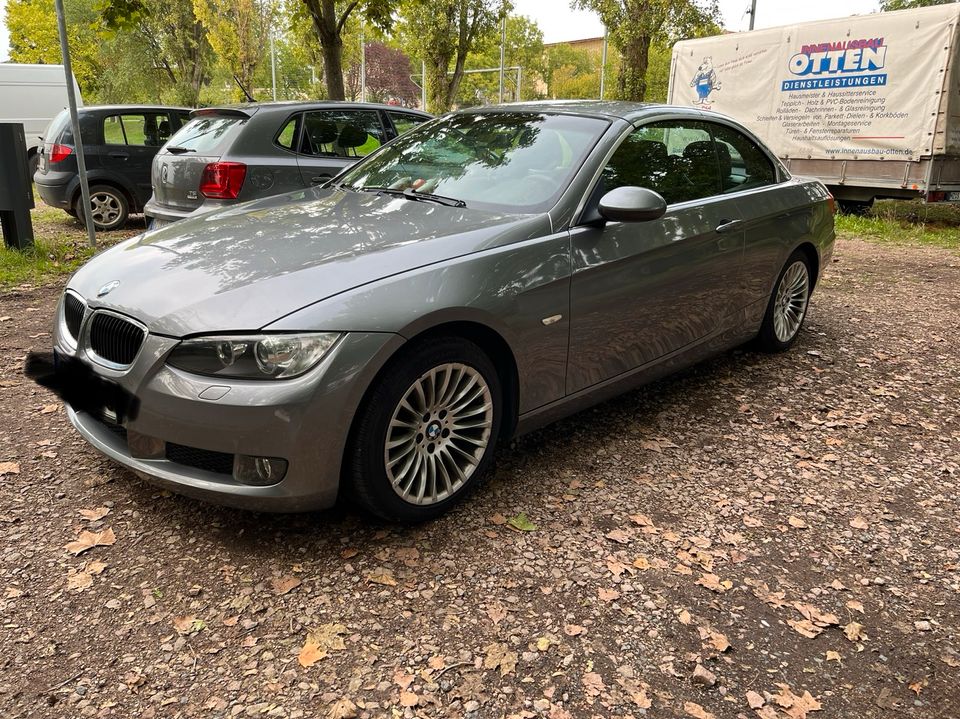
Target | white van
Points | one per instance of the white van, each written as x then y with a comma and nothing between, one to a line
33,95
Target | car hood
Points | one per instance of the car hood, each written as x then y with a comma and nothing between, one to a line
247,266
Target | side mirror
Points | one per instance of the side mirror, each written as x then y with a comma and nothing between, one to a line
632,204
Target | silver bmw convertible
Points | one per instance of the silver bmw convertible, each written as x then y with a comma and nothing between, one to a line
489,272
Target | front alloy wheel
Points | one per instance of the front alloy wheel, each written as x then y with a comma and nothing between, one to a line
438,434
425,434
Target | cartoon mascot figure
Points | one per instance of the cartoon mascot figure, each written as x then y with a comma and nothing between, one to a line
705,81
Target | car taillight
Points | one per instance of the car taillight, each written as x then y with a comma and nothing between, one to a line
222,180
59,153
831,203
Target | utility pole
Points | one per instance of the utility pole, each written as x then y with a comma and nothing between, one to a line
363,67
603,62
75,123
273,65
753,12
503,48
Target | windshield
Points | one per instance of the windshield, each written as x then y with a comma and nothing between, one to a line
204,134
513,162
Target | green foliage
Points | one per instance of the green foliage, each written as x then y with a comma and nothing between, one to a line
637,25
238,32
887,5
34,38
523,48
442,33
905,223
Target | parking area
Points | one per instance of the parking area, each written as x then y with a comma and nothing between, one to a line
760,536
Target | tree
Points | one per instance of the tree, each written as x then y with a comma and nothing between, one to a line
524,49
887,5
443,32
174,40
34,37
634,25
329,19
388,76
238,31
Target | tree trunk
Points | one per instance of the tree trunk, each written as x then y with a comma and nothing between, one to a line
324,16
438,85
634,59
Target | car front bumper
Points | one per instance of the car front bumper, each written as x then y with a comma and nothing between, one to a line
305,421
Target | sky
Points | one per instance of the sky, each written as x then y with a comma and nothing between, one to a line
559,22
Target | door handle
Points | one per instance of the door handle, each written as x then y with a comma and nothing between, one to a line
120,155
728,225
317,179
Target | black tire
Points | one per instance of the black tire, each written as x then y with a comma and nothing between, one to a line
112,205
858,208
366,465
33,163
769,340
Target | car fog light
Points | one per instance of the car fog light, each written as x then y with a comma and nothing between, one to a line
258,471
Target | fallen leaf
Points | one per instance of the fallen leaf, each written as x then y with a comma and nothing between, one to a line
607,595
684,617
79,581
805,627
96,567
917,686
855,606
859,523
9,468
342,709
94,515
593,684
498,519
496,612
49,408
284,584
950,660
713,583
754,700
521,523
619,536
408,699
697,711
573,630
833,656
89,540
641,520
320,642
714,639
854,632
382,576
188,625
349,553
642,563
499,655
797,523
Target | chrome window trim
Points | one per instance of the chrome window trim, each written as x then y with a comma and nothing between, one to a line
102,361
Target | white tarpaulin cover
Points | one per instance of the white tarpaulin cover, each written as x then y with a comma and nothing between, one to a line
863,87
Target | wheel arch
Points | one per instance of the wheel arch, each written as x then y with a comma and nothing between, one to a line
132,203
813,256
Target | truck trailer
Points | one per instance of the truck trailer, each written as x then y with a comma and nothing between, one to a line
869,104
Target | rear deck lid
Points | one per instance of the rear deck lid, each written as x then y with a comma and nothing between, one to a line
179,165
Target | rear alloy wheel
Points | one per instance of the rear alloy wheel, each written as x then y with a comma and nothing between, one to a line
427,431
108,208
788,305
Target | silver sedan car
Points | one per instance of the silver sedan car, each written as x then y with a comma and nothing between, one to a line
488,272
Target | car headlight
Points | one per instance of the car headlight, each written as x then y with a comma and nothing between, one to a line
278,356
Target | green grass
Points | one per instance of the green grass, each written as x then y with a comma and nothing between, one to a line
905,223
60,247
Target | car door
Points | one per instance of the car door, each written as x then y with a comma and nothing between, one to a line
641,291
332,140
130,142
774,213
404,121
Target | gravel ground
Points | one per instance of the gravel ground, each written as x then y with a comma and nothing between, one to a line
761,536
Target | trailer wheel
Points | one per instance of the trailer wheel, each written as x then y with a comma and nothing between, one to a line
855,207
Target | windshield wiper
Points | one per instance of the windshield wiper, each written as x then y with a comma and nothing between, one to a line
176,149
412,194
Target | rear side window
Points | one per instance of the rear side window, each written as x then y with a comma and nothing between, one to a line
675,158
403,121
743,165
341,133
207,133
288,134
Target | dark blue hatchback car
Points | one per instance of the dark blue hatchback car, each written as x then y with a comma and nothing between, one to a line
119,144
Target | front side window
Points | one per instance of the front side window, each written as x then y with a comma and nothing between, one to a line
743,165
140,129
516,162
341,133
403,121
675,158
